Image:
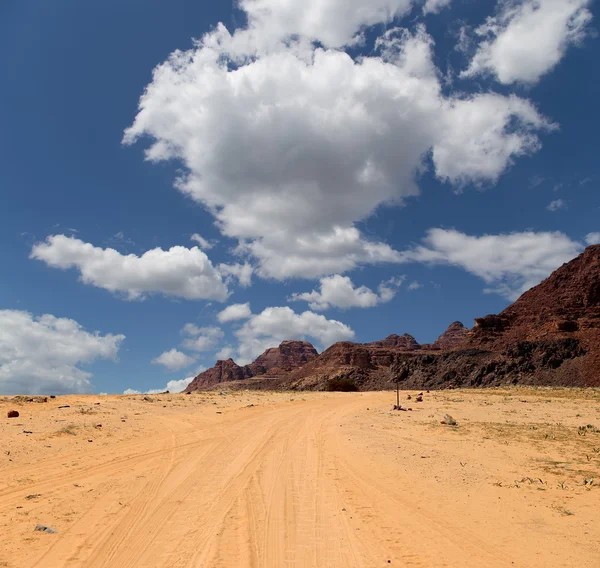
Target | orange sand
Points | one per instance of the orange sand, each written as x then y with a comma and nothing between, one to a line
303,479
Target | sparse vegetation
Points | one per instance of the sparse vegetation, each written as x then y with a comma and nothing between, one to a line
70,429
560,509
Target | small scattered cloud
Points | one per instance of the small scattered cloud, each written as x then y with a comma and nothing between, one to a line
201,339
173,360
536,181
204,244
556,205
415,285
235,312
592,238
227,352
435,6
339,292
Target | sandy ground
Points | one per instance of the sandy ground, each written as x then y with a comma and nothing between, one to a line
303,479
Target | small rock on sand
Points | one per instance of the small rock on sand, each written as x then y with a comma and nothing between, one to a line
448,420
13,414
44,528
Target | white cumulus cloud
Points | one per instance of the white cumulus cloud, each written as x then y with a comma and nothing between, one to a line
508,263
44,354
204,244
291,146
592,238
334,23
174,386
243,273
225,353
173,360
277,324
527,38
235,312
177,272
339,292
201,338
435,6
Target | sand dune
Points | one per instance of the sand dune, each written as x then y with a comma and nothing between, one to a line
303,479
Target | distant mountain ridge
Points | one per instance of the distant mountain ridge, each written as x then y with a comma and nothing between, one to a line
276,360
549,336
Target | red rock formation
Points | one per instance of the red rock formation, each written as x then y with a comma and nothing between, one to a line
566,304
276,361
404,342
549,336
288,356
452,337
222,372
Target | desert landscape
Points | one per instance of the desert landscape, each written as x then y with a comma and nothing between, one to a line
302,479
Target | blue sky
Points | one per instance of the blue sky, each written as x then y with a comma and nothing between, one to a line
350,169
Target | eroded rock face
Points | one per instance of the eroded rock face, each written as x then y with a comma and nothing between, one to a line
549,336
290,355
452,337
222,372
405,342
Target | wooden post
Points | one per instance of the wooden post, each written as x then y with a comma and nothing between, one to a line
398,393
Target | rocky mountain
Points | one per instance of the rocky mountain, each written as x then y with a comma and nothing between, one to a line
549,336
276,361
222,372
452,337
288,356
404,342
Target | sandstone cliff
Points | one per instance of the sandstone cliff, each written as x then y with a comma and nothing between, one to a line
276,361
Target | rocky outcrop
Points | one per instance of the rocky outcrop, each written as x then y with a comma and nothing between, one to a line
277,361
549,336
452,337
567,302
288,356
222,372
404,342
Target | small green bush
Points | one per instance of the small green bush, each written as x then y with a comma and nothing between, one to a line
341,384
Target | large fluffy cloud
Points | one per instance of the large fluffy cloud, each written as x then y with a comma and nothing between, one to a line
509,263
339,292
527,38
43,354
179,271
333,23
173,360
274,325
289,147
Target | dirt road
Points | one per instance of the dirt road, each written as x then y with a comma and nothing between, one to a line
310,480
